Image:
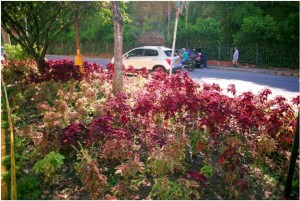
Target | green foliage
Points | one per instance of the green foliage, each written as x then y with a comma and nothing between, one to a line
157,164
195,139
28,184
164,189
199,142
160,189
169,158
15,52
205,32
15,71
257,30
210,25
132,174
35,29
208,171
49,165
29,188
90,175
131,168
6,161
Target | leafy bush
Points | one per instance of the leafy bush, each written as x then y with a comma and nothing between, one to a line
208,171
164,189
15,71
48,166
64,70
169,157
131,173
15,53
91,176
29,188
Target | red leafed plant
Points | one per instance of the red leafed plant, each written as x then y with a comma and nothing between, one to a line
142,129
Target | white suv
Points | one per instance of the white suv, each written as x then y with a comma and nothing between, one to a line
151,57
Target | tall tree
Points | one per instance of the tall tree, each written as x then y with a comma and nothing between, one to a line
118,46
257,31
36,24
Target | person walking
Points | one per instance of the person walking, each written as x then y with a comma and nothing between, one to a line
235,57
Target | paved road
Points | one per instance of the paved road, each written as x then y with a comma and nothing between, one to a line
102,62
244,80
287,86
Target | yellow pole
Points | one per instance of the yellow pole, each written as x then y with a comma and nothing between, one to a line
3,168
12,147
78,57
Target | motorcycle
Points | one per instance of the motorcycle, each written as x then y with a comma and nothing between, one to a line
200,61
199,64
189,65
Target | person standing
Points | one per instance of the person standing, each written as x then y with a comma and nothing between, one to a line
235,57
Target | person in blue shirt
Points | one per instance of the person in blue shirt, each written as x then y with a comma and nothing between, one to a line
185,56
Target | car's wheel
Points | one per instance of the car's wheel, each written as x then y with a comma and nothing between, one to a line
159,68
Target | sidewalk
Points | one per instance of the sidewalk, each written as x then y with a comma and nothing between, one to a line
284,72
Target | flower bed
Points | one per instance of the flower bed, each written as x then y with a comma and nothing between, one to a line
161,138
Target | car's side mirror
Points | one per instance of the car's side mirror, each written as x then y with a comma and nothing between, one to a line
126,56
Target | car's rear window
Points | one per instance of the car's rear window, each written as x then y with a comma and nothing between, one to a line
169,53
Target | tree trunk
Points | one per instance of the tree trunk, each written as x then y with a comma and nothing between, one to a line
41,64
118,47
5,36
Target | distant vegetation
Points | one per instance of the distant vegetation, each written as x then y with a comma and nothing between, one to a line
267,33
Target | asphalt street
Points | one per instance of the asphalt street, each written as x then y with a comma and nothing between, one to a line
286,86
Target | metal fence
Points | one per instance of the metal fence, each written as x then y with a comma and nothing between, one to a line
268,57
264,57
93,48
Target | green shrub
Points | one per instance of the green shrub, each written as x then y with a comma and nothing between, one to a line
29,188
91,176
208,171
49,165
164,189
15,52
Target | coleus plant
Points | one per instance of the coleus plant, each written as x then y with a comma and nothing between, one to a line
147,116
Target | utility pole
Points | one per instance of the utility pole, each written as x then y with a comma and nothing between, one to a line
78,57
186,21
179,7
169,19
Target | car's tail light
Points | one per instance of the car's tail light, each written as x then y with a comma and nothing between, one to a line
169,61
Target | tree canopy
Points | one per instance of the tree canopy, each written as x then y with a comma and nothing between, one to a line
35,25
234,23
224,22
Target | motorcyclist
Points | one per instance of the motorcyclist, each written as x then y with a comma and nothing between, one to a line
193,54
204,60
184,56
